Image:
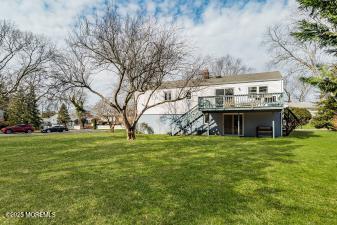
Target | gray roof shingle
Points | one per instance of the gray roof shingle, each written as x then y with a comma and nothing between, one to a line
242,78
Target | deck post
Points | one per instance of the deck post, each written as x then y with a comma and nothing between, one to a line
281,118
208,128
273,129
238,124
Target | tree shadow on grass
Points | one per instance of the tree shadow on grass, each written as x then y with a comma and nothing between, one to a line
162,180
203,185
304,134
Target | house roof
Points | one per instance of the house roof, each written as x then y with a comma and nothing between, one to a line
241,78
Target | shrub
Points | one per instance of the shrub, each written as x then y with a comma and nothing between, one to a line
3,124
302,114
145,128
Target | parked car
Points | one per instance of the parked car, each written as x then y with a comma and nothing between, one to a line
20,128
56,128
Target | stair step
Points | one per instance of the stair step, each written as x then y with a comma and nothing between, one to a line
290,120
186,120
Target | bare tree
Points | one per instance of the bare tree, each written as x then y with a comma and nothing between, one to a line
227,66
106,112
139,55
74,97
77,98
22,55
296,58
68,64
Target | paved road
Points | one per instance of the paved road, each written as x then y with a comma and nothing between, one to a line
66,132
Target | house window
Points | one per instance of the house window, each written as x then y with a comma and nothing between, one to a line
263,89
188,95
167,95
258,90
219,92
229,91
252,90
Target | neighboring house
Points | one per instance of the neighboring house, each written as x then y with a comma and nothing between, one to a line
231,105
51,121
2,115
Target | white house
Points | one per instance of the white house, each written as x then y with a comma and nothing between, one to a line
243,105
50,120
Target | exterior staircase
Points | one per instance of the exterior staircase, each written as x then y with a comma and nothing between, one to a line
290,121
184,124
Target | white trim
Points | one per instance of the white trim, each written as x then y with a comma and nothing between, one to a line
273,125
281,119
258,89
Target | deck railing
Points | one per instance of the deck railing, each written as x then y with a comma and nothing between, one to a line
268,100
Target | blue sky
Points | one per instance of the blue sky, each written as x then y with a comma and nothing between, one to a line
177,8
212,27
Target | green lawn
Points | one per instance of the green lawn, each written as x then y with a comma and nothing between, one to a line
100,178
307,126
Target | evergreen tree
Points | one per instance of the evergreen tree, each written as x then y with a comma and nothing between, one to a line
3,98
33,113
63,115
326,114
23,108
17,109
320,27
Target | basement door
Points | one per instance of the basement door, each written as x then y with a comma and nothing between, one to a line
233,124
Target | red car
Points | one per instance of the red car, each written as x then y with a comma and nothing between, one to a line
20,128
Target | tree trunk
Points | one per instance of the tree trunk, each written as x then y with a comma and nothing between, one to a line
131,135
288,96
130,129
82,121
112,127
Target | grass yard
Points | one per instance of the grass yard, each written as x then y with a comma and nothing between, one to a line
99,178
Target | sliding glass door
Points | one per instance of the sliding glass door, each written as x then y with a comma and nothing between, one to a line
228,124
238,124
233,124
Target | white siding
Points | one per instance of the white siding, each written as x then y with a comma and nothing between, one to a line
52,120
184,105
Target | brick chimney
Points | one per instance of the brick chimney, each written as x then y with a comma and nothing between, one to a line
205,74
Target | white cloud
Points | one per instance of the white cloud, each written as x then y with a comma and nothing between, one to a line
237,31
221,30
53,21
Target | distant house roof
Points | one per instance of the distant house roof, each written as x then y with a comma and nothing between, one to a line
306,105
241,78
